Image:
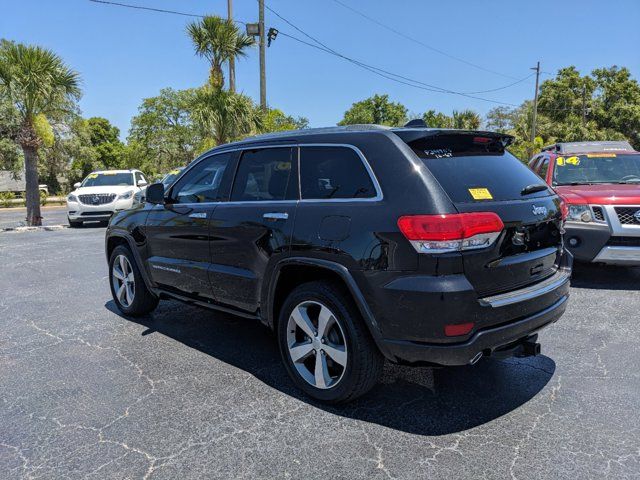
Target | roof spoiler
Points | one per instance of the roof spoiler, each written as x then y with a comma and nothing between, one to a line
409,135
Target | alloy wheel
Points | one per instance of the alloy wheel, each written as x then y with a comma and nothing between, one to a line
123,281
317,344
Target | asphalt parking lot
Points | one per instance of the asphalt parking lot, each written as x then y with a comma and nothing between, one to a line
187,393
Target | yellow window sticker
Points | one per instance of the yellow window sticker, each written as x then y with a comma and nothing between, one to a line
174,172
280,166
600,155
573,161
92,175
109,173
481,194
560,161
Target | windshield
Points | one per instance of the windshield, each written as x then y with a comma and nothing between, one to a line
597,168
107,179
170,177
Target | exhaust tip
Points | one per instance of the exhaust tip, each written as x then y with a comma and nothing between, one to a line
475,359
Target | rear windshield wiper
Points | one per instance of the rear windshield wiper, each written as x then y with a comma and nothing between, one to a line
533,189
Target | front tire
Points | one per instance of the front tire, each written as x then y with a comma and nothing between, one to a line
130,293
325,345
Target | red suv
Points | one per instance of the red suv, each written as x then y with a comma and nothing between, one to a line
600,183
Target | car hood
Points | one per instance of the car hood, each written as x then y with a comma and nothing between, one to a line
604,194
104,189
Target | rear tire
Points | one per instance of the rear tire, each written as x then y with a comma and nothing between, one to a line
130,293
336,360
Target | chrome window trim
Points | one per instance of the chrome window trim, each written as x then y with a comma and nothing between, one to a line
376,184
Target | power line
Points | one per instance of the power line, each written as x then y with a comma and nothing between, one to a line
138,7
420,42
385,73
321,46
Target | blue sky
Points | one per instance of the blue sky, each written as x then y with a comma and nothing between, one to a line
125,55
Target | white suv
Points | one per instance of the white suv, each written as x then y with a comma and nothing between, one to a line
103,193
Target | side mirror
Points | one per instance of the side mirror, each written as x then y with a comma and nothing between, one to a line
142,183
155,194
77,185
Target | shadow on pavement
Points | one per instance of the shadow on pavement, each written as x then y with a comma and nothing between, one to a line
606,277
418,400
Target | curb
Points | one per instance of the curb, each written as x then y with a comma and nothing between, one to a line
46,228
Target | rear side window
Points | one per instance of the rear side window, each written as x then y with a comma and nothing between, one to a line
264,175
333,172
472,169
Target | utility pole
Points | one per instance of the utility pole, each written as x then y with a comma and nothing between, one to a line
535,106
232,61
263,73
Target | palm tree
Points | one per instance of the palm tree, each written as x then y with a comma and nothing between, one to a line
466,120
218,40
225,116
38,84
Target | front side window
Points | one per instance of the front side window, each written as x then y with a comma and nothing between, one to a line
597,168
264,175
108,179
333,172
202,183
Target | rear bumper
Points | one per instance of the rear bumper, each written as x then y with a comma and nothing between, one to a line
413,312
483,341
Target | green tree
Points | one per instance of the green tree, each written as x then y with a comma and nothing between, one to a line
10,155
224,116
218,40
433,119
616,106
163,135
275,120
377,110
466,120
106,142
37,83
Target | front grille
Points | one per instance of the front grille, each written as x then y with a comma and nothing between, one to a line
97,198
624,242
598,214
628,215
96,214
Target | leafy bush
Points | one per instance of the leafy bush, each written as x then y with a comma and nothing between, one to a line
6,197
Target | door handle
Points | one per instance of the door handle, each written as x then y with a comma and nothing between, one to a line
198,215
276,216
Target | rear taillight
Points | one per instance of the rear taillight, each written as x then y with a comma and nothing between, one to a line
451,232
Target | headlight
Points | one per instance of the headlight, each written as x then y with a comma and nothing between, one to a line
125,195
579,213
72,198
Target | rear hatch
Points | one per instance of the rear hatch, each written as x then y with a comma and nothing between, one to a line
479,175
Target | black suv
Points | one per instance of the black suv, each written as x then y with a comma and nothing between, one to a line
355,244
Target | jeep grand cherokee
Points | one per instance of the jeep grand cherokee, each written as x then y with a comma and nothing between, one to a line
355,244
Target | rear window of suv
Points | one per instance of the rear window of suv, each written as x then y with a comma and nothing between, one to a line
472,169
